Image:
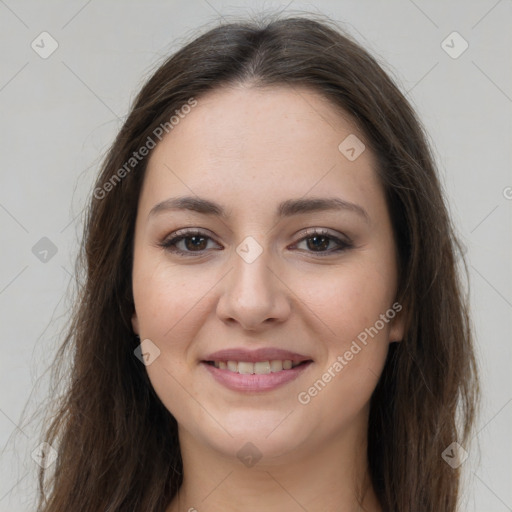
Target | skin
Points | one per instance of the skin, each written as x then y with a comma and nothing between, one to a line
248,149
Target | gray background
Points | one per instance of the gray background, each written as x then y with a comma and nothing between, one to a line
59,114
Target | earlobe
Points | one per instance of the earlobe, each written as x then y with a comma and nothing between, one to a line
397,330
135,323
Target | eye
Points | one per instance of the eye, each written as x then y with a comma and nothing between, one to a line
320,241
187,242
192,241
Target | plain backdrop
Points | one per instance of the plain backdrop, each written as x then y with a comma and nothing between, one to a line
60,112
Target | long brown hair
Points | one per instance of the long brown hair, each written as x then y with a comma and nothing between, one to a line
117,444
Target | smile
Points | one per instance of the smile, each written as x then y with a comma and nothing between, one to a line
258,367
255,377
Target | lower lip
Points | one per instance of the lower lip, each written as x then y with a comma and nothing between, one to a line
255,382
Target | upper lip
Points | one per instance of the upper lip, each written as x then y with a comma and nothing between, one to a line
253,356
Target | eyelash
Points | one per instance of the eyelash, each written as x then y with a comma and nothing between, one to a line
169,244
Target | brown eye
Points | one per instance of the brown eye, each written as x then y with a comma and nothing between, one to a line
322,243
318,242
187,243
193,243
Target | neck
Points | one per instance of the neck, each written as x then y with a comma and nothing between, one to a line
331,477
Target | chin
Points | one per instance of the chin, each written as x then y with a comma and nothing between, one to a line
273,437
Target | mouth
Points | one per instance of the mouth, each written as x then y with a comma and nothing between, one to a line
264,369
257,367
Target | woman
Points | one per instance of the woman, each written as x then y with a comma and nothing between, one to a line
271,317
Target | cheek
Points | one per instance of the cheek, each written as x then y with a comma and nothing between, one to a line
348,299
351,303
169,298
354,358
170,312
172,303
354,306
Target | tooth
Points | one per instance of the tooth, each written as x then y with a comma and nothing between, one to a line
276,365
216,364
262,367
244,367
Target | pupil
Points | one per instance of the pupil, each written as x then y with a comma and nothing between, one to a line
197,242
323,245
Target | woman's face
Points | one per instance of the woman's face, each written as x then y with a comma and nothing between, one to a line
253,284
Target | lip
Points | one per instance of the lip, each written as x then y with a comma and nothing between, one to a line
255,382
253,356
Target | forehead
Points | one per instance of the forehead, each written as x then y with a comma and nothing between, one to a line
263,141
239,119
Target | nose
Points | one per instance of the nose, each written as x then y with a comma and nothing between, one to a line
253,296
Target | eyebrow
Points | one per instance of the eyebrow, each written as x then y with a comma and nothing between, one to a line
287,208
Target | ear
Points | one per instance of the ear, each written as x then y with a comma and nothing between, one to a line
135,323
397,329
